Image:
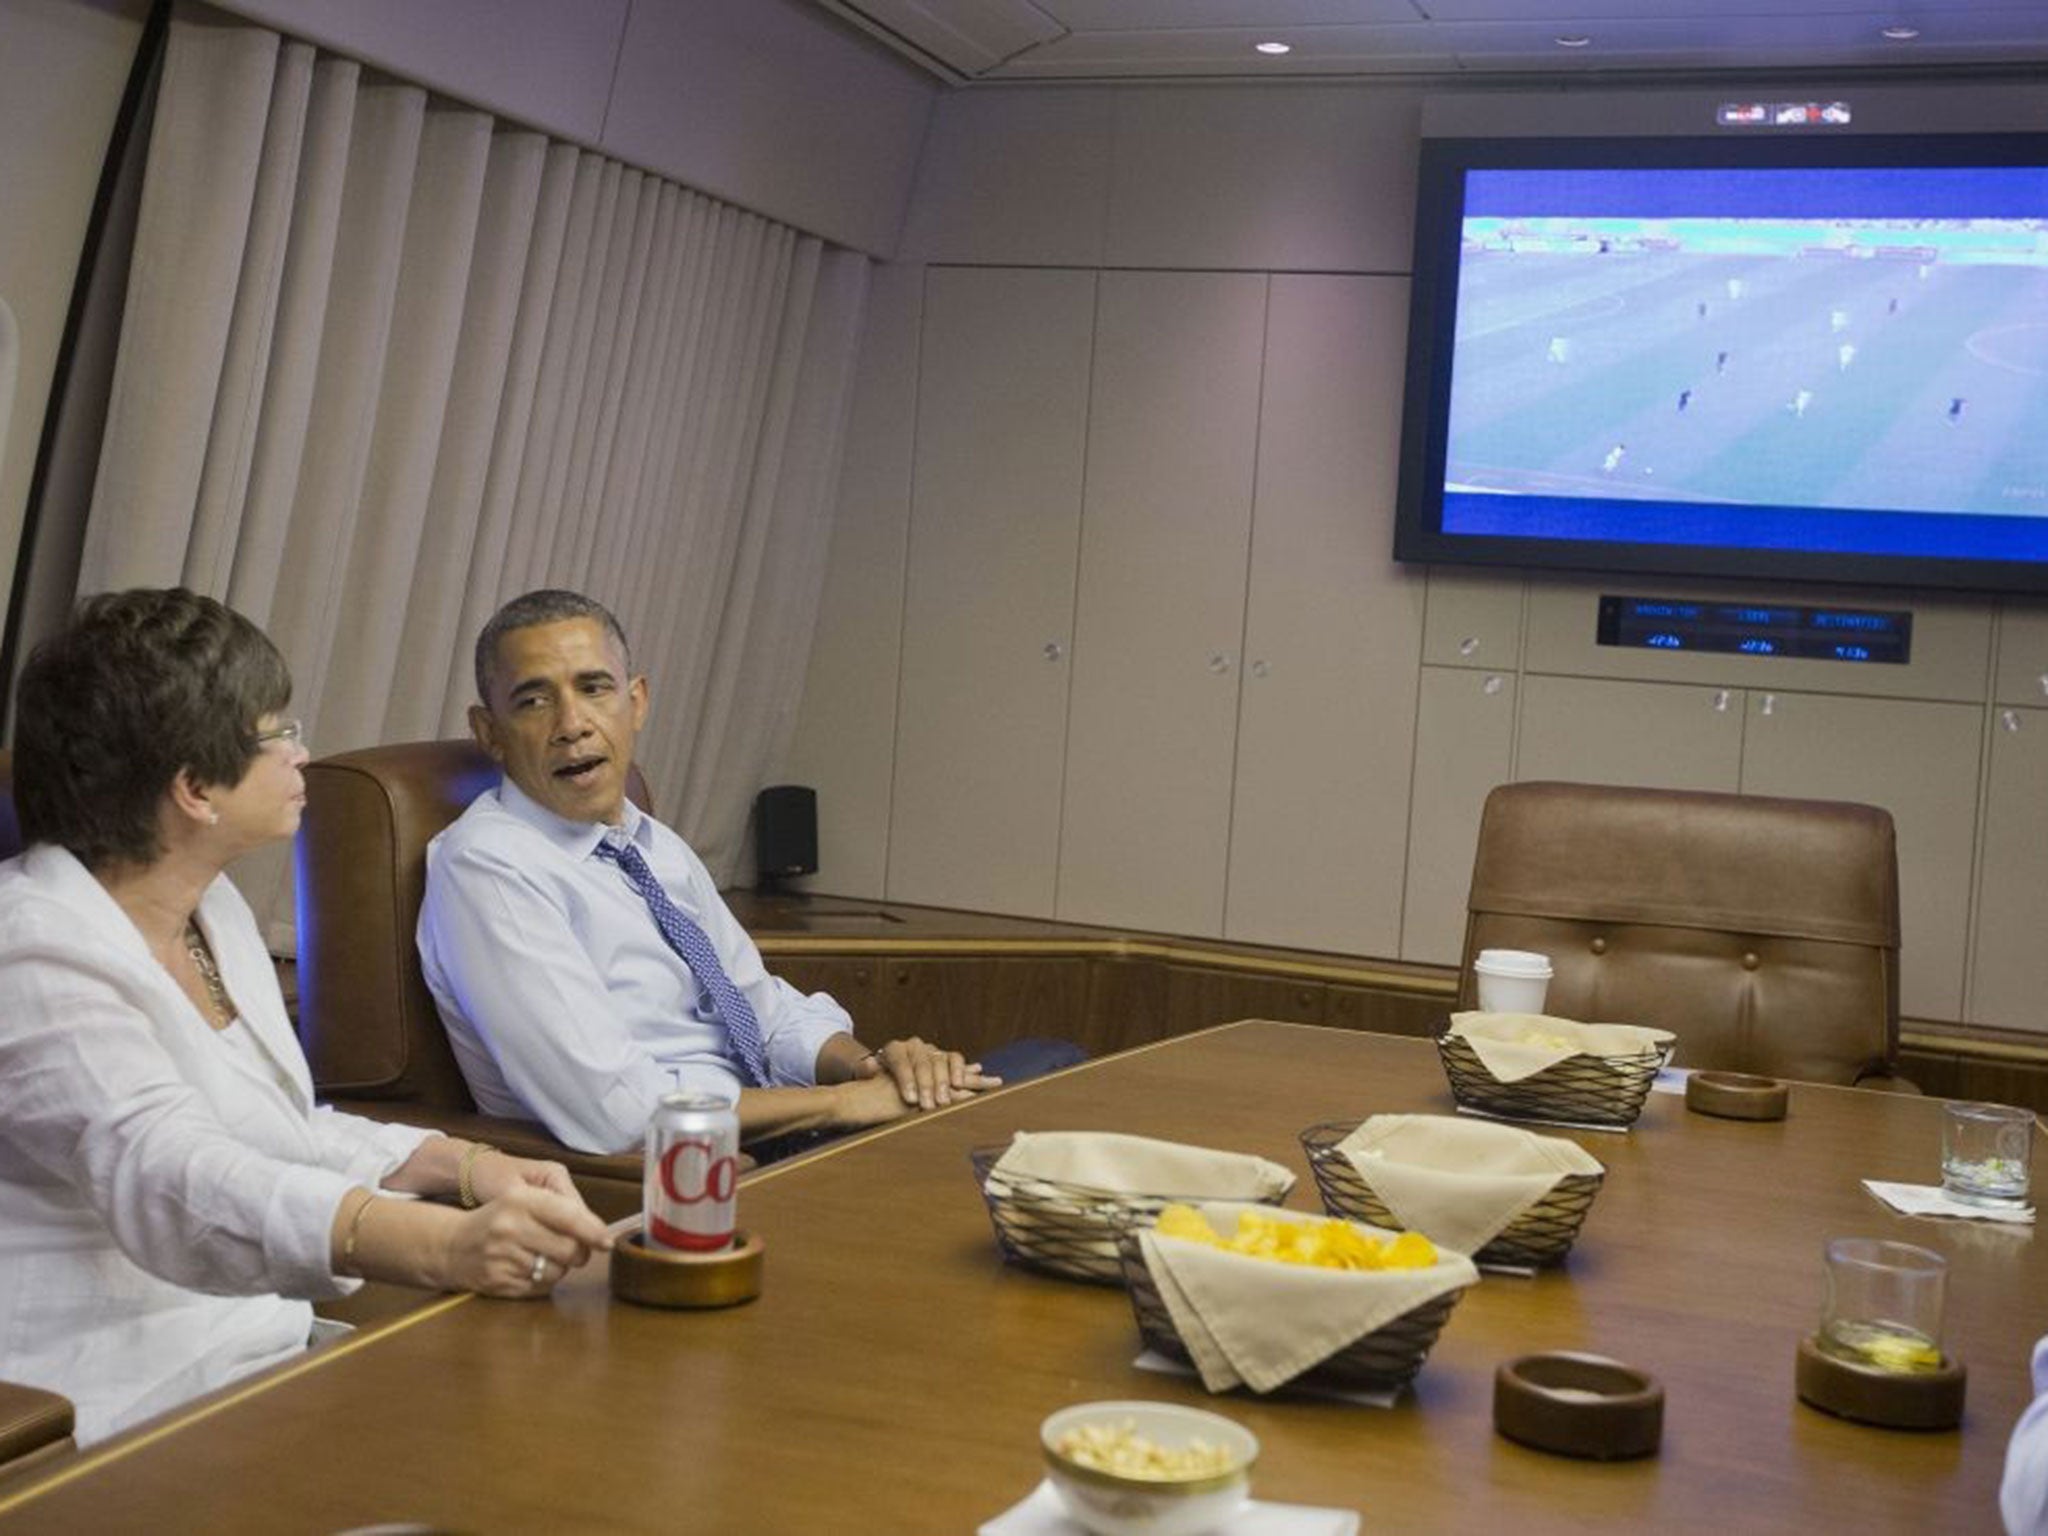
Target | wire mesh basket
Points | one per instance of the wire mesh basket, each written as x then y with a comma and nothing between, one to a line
1582,1089
1543,1234
1386,1358
1069,1229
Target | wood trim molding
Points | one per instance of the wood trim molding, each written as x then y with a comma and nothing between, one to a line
1422,984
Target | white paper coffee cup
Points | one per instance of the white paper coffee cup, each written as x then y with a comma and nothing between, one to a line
1512,980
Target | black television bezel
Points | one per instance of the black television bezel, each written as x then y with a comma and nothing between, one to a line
1439,214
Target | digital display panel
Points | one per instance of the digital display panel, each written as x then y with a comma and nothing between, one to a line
1757,629
1772,357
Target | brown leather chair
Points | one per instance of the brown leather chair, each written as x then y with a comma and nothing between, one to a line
10,823
1764,933
35,1430
371,1033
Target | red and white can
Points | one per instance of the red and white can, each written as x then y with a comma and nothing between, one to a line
693,1169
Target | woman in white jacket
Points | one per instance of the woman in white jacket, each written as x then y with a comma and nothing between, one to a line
171,1200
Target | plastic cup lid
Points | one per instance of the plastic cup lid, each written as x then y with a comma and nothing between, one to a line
1513,962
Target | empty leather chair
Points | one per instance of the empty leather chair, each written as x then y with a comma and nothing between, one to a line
372,1036
1764,933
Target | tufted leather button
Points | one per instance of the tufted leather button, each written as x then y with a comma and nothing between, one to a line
1749,960
1599,946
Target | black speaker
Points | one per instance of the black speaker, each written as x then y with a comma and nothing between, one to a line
786,831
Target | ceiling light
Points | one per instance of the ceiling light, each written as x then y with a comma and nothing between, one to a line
1572,42
1274,48
1899,34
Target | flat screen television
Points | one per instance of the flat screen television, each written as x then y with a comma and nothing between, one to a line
1821,358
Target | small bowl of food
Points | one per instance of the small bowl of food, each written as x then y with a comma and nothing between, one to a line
1148,1469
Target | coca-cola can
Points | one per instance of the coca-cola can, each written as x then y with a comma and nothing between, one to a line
693,1169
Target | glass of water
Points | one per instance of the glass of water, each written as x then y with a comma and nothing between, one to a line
1986,1152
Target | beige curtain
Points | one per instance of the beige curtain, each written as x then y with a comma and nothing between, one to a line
387,361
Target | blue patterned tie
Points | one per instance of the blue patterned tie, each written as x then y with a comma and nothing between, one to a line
694,945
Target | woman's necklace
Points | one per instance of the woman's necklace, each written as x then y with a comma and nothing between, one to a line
209,973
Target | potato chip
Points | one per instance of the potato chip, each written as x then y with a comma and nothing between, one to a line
1317,1244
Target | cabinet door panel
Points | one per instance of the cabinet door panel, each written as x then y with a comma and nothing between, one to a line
1474,619
988,609
1919,761
1464,729
1653,735
1385,1013
1319,811
2009,973
1160,615
850,979
1198,997
2022,655
974,1005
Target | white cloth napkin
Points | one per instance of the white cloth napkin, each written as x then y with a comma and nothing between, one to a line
1042,1514
1513,1046
1139,1165
1459,1183
1932,1200
1259,1323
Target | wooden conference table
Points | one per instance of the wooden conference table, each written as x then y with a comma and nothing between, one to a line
894,1372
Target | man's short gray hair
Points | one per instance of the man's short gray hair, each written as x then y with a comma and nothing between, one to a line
549,605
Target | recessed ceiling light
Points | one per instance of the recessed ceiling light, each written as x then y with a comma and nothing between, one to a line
1572,42
1274,48
1900,34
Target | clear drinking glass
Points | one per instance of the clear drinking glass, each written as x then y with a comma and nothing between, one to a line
1986,1152
1884,1304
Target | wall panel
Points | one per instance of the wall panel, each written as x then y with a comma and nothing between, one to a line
988,610
1159,625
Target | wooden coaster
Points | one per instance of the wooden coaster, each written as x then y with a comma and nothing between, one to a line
664,1277
1579,1405
1893,1399
1736,1096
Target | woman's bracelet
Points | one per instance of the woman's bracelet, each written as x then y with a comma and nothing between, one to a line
465,1170
355,1227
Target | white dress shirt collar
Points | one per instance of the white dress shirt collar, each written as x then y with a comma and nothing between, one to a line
578,839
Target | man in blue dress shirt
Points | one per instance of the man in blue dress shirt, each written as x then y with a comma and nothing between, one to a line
581,958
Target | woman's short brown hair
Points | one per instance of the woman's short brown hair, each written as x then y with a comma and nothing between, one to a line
139,685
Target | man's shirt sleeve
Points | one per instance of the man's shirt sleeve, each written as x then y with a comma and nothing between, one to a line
501,953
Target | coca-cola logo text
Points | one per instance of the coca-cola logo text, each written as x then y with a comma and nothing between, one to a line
691,1173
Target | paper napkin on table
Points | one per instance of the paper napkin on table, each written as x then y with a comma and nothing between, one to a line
1513,1046
1459,1182
1260,1323
1139,1165
1931,1200
1042,1514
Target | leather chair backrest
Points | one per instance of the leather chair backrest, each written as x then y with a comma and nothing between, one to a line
366,1018
10,823
1763,932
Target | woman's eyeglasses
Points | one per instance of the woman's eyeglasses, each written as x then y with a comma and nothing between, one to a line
291,733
